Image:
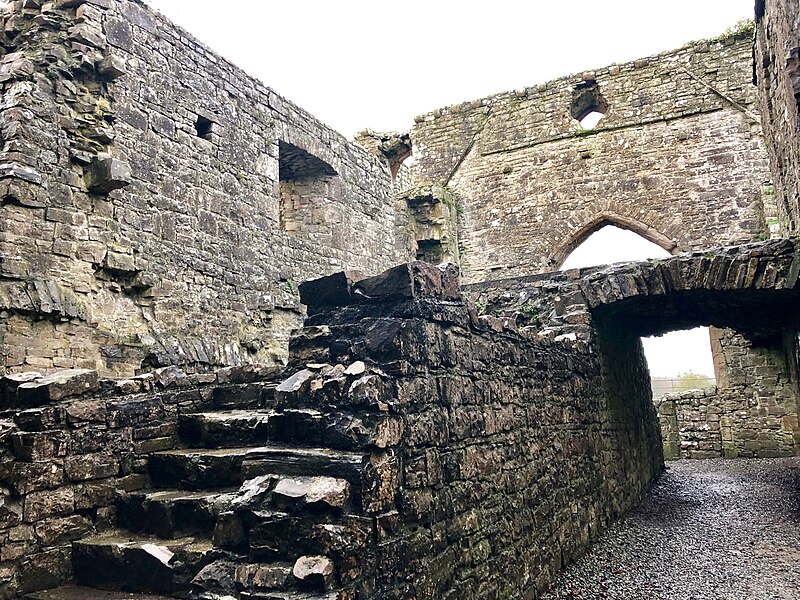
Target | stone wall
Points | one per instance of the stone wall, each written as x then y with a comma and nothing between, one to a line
776,71
515,451
751,412
159,206
491,458
678,158
74,445
691,424
727,423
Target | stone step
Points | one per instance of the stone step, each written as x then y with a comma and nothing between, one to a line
286,460
119,560
308,577
79,592
255,395
229,467
173,513
276,536
297,596
197,469
224,429
269,535
343,431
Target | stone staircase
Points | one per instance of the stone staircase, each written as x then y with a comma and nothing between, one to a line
260,503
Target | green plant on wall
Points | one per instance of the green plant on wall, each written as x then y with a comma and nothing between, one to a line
740,28
532,314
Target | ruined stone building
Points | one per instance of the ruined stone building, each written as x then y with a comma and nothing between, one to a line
454,431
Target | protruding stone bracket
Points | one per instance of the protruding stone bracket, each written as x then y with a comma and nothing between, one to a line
112,67
394,147
107,174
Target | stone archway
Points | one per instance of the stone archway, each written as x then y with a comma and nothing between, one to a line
576,237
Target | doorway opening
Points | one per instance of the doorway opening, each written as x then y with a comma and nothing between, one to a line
678,360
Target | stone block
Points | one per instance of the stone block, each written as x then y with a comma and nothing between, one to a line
19,171
333,290
62,530
119,261
45,570
94,494
39,445
107,174
30,477
40,505
262,577
15,65
64,384
313,573
91,466
409,280
10,383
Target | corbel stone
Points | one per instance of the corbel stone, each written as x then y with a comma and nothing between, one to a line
112,67
107,174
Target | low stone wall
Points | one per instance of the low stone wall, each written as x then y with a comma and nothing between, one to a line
515,451
715,423
690,424
72,444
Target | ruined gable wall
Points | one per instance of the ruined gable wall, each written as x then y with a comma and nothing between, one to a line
672,159
777,73
191,263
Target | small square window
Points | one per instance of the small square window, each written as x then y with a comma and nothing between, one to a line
204,128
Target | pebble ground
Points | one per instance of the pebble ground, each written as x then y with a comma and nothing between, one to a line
708,530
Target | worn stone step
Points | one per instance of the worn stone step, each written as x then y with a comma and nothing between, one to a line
343,431
173,513
79,592
287,460
295,596
254,395
119,560
197,469
307,577
224,429
270,535
203,468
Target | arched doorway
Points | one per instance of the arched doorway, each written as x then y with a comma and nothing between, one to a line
677,360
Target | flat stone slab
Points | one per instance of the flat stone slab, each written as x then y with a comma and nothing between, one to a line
51,388
79,592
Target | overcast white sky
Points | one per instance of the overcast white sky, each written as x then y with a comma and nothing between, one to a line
365,63
359,64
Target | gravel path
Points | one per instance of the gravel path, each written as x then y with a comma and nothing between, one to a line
708,530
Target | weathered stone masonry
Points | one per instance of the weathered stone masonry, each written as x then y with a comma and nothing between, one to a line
154,211
158,207
470,460
677,158
776,71
754,412
414,448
